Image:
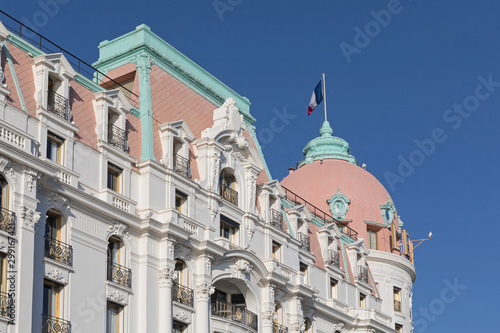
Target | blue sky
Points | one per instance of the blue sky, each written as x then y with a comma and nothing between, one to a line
396,88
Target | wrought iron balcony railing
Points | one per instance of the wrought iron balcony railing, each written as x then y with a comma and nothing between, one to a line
320,214
8,221
277,328
182,166
276,219
52,324
235,313
362,274
397,306
304,240
58,251
58,104
119,274
117,137
229,194
333,258
4,303
183,294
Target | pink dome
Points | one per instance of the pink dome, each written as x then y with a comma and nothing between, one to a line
318,181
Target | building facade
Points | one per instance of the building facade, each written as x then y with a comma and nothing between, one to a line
136,198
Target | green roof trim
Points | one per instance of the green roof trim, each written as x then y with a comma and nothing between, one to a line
123,50
327,146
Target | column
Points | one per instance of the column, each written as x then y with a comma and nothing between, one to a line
166,276
203,293
268,315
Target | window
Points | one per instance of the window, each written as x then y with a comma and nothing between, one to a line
362,300
276,250
228,188
114,174
4,193
397,299
51,298
3,273
303,272
308,325
228,229
54,147
372,239
181,202
114,247
53,227
333,288
113,314
179,327
182,275
399,328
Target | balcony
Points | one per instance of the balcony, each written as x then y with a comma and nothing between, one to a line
52,324
229,194
58,251
362,274
236,313
117,137
333,258
276,219
183,294
119,274
182,166
8,221
277,328
304,241
397,306
58,104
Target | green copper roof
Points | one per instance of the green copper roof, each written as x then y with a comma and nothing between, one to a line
327,146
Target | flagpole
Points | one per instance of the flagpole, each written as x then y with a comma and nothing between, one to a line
324,94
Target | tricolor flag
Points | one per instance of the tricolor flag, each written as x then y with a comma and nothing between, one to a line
316,98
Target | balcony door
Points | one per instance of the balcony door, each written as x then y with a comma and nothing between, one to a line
51,293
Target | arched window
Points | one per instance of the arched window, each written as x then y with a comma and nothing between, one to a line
4,193
116,256
279,324
181,291
228,188
308,326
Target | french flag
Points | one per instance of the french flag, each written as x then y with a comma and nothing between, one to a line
316,98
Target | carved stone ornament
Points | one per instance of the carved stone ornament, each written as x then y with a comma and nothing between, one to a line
243,266
171,247
208,263
31,181
182,316
339,328
297,326
203,291
166,276
57,275
3,244
118,229
269,316
117,297
251,229
29,217
181,251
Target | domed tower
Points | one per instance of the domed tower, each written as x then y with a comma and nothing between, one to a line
330,179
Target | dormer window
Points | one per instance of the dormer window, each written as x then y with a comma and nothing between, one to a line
117,136
111,108
52,76
56,102
228,187
181,163
175,140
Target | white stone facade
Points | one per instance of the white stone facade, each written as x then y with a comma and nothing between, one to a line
173,264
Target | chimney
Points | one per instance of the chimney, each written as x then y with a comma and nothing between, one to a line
291,170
